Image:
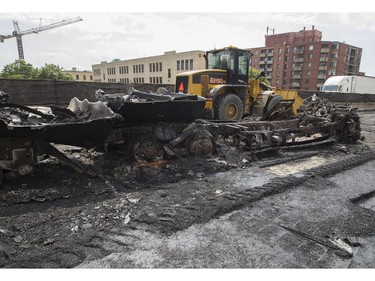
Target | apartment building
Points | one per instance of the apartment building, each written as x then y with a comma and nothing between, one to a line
84,76
301,60
160,69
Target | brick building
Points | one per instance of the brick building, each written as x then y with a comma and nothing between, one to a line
300,60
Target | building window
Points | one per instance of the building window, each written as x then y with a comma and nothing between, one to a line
153,67
182,65
91,78
143,69
84,77
150,67
187,64
77,77
169,73
334,55
191,64
111,71
309,64
311,47
160,66
157,80
178,65
150,79
161,80
309,56
332,72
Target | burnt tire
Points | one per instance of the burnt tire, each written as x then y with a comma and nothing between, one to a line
148,149
200,143
348,128
230,108
1,175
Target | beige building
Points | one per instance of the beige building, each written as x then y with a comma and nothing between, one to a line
85,75
160,69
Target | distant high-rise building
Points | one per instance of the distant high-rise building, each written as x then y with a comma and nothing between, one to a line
301,60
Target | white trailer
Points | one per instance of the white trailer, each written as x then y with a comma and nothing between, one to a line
350,84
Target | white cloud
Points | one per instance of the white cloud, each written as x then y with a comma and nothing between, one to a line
105,36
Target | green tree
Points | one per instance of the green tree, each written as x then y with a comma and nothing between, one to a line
254,73
23,70
18,70
52,71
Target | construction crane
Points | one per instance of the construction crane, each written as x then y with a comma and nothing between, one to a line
18,34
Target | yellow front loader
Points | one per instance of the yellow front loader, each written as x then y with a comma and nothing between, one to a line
230,93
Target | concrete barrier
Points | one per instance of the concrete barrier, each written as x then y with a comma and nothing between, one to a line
57,92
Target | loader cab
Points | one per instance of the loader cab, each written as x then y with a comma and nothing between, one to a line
235,61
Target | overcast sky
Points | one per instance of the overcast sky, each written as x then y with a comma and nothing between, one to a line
109,32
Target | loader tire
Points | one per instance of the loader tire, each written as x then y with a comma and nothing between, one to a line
272,101
230,108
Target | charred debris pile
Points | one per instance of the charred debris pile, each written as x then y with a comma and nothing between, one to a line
151,127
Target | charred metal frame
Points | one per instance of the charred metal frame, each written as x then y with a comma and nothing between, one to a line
318,122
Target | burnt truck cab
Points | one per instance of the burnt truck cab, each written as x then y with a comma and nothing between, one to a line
224,82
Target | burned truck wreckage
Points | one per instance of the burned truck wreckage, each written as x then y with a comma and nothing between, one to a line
151,127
